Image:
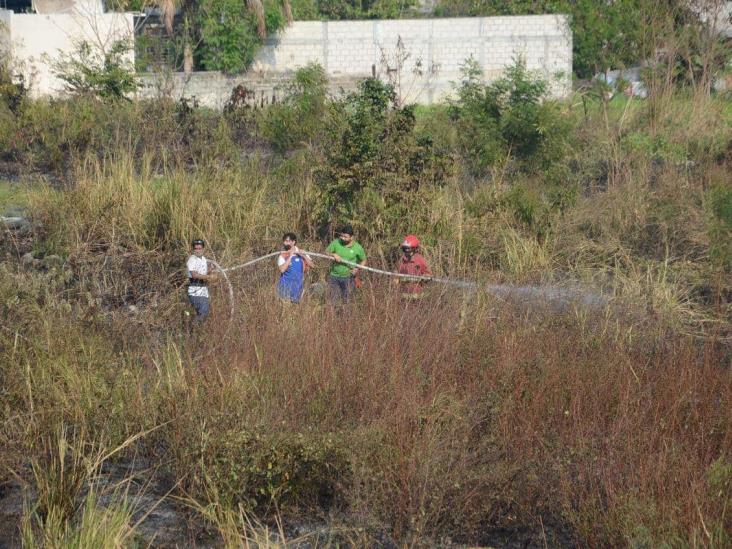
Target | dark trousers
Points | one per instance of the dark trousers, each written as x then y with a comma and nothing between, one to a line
341,289
201,305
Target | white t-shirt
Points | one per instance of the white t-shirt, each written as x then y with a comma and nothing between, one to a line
200,265
281,259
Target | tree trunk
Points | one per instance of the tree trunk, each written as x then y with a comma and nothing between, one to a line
187,58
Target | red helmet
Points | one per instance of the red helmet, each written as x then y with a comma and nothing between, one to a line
410,241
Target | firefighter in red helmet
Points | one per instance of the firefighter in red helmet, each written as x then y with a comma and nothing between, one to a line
412,263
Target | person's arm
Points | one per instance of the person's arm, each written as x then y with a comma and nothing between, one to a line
331,251
200,276
397,279
425,268
284,264
360,259
196,275
305,257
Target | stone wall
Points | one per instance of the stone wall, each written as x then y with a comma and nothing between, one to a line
5,33
213,89
423,56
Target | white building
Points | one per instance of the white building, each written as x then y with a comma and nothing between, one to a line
34,41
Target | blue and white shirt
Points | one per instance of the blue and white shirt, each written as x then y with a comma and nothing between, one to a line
291,282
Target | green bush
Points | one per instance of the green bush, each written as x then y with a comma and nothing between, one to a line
229,36
104,74
377,166
266,472
509,119
299,118
350,9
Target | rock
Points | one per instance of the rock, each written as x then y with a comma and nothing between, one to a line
14,210
27,259
16,223
53,261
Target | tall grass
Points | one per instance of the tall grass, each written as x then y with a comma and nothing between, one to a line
421,420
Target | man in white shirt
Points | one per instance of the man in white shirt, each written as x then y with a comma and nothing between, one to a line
198,279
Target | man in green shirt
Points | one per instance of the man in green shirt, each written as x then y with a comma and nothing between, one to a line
341,278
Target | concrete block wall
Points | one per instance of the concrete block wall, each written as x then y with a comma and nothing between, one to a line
213,89
425,54
5,33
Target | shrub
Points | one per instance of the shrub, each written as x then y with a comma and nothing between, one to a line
509,119
105,74
13,91
267,472
377,165
302,114
231,33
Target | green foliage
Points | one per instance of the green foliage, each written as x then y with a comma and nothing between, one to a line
229,35
350,9
105,74
508,119
266,472
377,164
610,37
13,91
305,10
656,147
301,114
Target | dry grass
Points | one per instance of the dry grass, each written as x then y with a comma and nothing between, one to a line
440,418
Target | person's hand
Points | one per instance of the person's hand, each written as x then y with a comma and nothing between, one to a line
354,272
336,257
213,277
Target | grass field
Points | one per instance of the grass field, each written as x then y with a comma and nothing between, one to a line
466,418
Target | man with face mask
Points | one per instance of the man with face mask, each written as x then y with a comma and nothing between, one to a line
412,263
198,279
341,279
291,264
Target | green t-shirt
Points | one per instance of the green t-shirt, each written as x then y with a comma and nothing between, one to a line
353,253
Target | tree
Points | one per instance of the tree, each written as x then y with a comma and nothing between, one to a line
218,34
376,165
509,119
